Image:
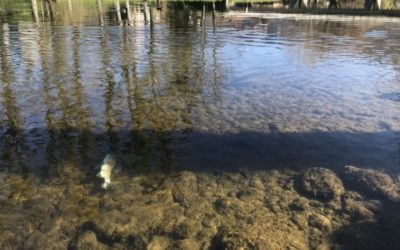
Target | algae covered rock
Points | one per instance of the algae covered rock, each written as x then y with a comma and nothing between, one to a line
158,243
259,237
189,244
320,221
321,183
372,182
234,240
187,229
185,187
88,240
359,209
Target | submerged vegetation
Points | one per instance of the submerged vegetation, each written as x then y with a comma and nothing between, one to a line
244,210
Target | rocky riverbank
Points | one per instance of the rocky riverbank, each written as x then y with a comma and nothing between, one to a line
313,209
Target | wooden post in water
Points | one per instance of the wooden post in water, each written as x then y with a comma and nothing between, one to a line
49,8
70,10
293,4
151,18
226,4
100,12
203,16
369,4
213,15
128,10
35,10
134,14
159,6
146,12
117,7
42,10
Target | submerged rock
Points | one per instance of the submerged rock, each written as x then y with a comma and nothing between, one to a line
233,241
261,237
372,181
300,221
88,240
186,230
256,182
189,244
321,183
185,187
320,221
158,243
357,210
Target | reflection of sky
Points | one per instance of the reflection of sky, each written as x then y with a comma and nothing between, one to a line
271,72
340,87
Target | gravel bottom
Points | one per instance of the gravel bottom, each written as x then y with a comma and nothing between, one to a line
312,209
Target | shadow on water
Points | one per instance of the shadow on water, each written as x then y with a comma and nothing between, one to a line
199,151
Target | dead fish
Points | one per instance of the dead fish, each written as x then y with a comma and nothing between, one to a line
106,168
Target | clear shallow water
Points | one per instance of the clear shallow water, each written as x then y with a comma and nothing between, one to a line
249,96
196,91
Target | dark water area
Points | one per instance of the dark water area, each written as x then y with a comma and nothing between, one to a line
217,119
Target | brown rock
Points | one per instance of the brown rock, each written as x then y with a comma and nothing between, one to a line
372,182
301,221
233,241
322,183
88,240
187,229
357,210
185,188
189,244
158,243
320,221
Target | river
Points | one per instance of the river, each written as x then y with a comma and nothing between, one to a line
184,94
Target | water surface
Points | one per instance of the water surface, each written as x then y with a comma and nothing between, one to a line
197,90
243,101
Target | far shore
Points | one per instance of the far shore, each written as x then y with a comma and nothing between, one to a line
356,12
